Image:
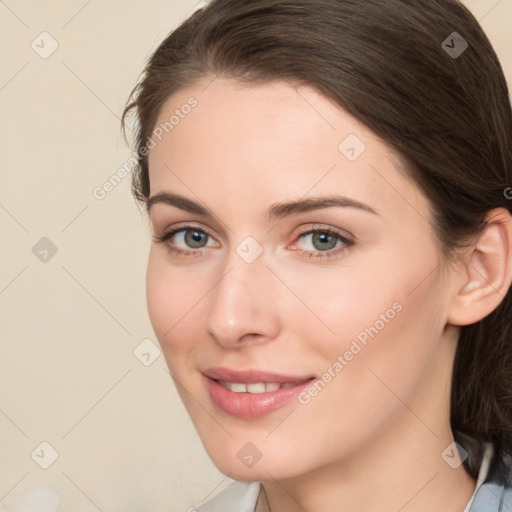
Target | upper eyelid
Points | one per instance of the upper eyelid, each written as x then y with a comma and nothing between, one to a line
322,227
186,227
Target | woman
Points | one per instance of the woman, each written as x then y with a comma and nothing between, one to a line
328,187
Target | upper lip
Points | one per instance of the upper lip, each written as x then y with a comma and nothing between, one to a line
252,376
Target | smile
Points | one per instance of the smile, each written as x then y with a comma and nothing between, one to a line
252,394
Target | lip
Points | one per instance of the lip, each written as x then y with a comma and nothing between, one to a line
252,405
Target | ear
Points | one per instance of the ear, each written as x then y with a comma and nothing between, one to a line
486,272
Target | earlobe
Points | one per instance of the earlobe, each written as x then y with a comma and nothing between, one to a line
487,271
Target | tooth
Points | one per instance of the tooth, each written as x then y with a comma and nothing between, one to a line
258,387
237,387
225,384
272,386
288,384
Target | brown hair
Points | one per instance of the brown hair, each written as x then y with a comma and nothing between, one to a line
389,64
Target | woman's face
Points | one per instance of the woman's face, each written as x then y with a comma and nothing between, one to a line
341,303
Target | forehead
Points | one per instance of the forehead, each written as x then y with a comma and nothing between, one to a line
269,142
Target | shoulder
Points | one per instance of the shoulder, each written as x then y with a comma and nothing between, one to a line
238,497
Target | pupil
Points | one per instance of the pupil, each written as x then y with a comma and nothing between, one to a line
322,238
194,238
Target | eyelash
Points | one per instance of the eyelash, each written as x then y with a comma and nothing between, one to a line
164,239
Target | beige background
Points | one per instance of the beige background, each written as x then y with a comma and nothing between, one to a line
70,325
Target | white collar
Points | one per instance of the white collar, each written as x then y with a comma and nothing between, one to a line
238,497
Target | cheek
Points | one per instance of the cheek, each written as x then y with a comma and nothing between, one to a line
390,289
345,302
381,328
370,362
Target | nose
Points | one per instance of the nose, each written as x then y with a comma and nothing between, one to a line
244,306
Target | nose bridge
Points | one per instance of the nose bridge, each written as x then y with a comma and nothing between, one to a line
242,301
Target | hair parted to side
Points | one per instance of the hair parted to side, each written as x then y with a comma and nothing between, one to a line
448,118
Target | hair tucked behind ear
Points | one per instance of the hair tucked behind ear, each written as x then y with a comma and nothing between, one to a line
447,115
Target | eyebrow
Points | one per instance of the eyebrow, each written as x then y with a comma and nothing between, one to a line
276,211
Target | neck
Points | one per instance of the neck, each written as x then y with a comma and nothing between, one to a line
407,475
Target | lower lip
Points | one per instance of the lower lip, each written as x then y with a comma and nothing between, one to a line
252,405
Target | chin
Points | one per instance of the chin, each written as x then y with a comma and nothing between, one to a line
238,465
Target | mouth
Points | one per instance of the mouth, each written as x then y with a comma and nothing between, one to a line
257,388
252,394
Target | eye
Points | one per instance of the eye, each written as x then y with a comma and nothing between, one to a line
323,242
185,239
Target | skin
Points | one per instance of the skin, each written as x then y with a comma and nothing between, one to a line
383,421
